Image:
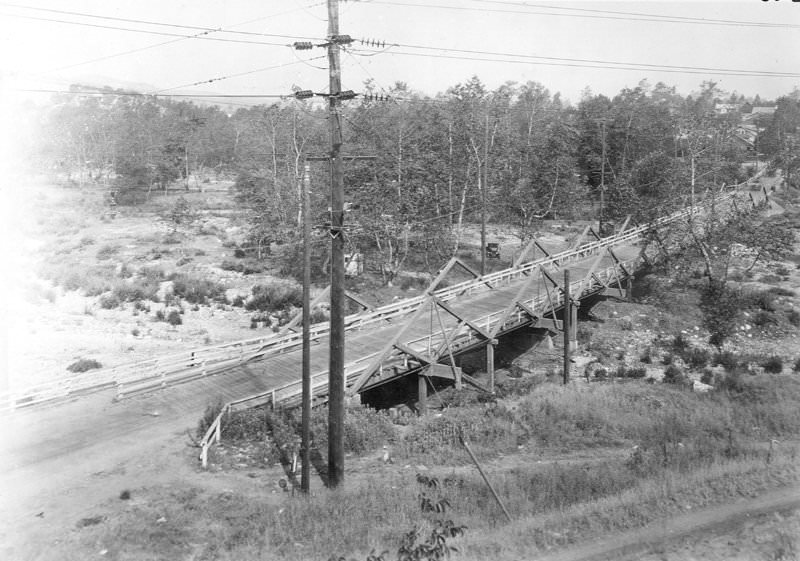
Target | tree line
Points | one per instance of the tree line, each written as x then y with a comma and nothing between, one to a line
525,152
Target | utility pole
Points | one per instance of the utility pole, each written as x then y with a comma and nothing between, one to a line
305,475
483,194
565,323
336,382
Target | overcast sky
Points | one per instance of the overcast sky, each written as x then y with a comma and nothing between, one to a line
53,54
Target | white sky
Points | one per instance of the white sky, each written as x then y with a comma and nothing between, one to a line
34,52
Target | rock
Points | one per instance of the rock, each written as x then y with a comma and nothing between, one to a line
700,387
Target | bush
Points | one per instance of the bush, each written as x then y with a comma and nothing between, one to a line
624,372
794,317
727,359
697,358
673,375
764,318
107,251
796,367
174,318
109,302
707,377
773,365
720,307
209,416
273,297
195,290
84,364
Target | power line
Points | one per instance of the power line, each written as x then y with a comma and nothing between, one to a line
609,65
158,23
140,94
203,36
643,16
220,78
655,18
155,45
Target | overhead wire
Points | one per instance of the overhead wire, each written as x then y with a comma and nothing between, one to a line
177,40
202,36
632,16
236,75
644,16
577,63
159,23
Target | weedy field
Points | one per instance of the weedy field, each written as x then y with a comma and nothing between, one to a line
569,463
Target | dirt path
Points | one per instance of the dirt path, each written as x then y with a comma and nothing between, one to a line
719,519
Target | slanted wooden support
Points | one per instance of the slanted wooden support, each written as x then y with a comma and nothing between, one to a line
521,258
388,348
579,240
624,224
360,301
453,313
449,267
409,351
512,306
447,342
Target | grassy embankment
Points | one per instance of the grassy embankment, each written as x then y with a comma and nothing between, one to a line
659,450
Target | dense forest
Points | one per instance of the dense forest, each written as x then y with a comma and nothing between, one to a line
523,150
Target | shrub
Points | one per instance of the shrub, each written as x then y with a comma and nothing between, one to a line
720,307
109,301
794,317
209,416
174,318
773,365
673,375
796,367
764,318
697,358
107,251
195,290
727,359
707,377
84,364
272,297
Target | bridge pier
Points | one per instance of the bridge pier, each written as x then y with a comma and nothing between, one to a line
490,364
422,395
629,289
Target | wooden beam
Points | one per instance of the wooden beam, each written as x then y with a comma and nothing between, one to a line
388,348
521,258
624,224
360,301
447,341
512,305
577,243
409,351
453,313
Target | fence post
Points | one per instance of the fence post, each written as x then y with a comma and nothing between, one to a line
273,399
204,456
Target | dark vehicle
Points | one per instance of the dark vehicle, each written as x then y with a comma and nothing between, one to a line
493,250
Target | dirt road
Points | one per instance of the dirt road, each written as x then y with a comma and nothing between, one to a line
660,537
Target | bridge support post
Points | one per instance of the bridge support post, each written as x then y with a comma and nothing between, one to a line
573,326
490,364
629,289
422,395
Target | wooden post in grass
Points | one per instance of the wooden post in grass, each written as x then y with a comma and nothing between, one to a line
566,317
485,479
422,395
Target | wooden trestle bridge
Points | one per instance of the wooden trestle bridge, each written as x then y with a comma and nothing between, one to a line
419,337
